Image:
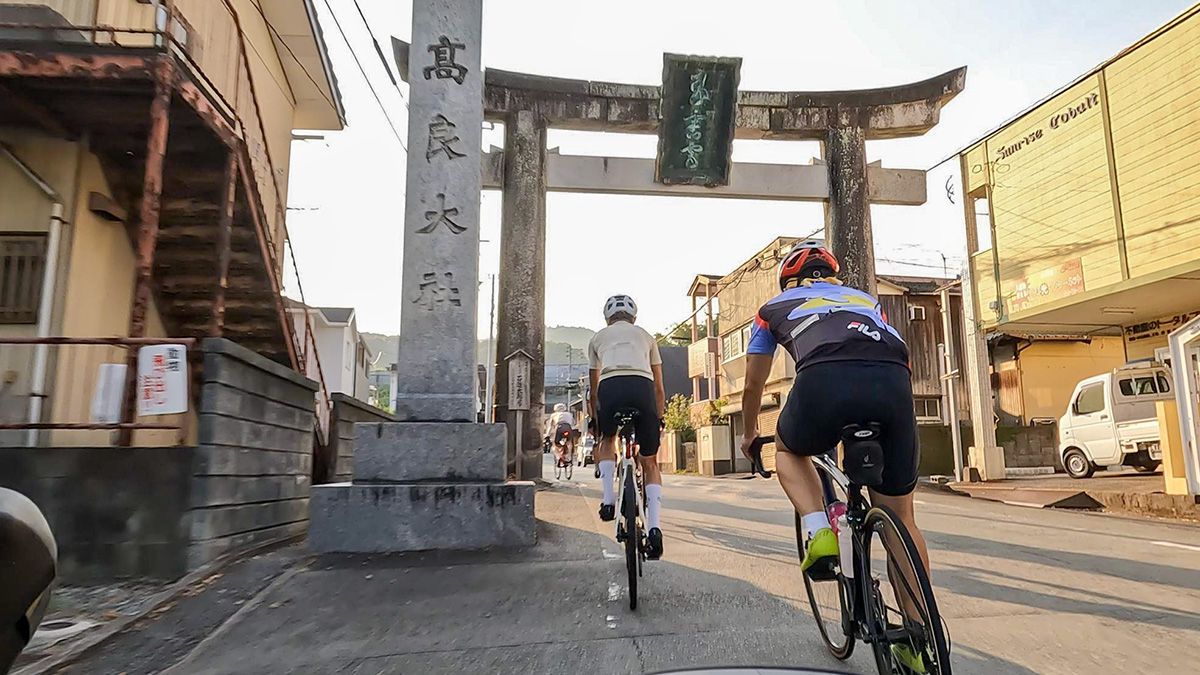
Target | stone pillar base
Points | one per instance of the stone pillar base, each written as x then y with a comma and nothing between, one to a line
423,486
396,517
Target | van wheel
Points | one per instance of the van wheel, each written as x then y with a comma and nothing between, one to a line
1149,467
1077,464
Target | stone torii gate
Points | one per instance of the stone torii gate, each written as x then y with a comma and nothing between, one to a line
527,105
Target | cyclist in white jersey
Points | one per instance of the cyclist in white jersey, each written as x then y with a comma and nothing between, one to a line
626,373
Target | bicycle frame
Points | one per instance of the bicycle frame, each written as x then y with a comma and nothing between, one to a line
627,445
857,507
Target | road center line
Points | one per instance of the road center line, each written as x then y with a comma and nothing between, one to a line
1171,544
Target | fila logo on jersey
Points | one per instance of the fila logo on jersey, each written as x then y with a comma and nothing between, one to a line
864,329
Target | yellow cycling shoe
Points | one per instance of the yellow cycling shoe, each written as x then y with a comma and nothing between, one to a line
909,658
821,555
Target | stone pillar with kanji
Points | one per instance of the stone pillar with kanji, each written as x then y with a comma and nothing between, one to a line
435,479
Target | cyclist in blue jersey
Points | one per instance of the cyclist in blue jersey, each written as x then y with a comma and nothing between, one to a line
851,368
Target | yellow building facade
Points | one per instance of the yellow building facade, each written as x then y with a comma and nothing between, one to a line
1083,219
245,74
1083,213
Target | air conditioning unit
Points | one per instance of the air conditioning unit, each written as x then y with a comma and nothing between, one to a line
916,313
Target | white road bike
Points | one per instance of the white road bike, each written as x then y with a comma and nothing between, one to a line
631,495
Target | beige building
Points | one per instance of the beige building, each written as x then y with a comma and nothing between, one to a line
1083,223
144,146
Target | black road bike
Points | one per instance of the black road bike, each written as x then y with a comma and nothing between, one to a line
899,619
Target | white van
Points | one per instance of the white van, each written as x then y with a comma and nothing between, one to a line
1111,420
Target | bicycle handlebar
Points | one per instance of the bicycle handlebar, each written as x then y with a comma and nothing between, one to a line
756,463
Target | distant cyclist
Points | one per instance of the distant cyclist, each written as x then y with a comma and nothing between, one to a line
626,372
560,428
851,368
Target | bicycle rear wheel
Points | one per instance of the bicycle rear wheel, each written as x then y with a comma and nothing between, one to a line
904,614
830,600
629,511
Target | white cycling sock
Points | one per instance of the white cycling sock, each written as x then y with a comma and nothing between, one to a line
812,522
653,505
608,468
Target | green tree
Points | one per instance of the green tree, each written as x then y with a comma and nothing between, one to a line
681,334
678,417
715,416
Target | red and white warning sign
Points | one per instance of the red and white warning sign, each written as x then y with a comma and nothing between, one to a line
162,383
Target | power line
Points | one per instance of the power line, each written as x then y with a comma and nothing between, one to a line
366,78
917,264
379,52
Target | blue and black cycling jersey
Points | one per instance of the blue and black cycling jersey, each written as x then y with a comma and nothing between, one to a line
824,322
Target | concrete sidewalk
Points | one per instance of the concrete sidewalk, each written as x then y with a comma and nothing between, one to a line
1119,492
558,607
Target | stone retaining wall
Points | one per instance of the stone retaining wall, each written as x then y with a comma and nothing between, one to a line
160,512
338,455
254,462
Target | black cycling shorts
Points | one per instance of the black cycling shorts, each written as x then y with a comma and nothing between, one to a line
830,395
563,431
629,391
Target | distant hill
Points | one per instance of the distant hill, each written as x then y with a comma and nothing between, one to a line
559,339
572,335
383,348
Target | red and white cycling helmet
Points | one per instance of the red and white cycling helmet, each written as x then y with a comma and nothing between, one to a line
807,260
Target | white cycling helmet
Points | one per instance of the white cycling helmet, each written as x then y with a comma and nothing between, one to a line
560,407
619,304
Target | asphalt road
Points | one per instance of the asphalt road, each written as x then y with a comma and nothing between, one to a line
1022,591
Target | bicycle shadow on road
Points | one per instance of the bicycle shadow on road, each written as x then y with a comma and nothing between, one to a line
1141,571
978,583
968,660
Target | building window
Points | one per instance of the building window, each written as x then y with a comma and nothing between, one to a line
734,344
22,258
181,31
929,409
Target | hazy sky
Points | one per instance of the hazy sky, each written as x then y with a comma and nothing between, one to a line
347,191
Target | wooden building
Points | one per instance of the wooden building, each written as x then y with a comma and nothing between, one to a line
912,304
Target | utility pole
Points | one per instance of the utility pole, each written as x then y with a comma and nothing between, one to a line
950,376
489,405
570,372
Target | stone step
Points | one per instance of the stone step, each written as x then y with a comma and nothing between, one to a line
381,517
402,452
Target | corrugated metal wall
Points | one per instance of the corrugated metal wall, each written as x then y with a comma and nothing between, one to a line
1154,98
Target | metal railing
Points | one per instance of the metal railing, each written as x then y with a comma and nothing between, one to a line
77,399
205,34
